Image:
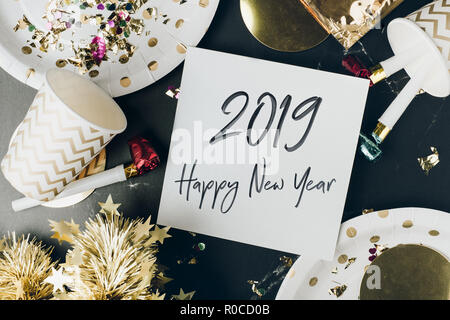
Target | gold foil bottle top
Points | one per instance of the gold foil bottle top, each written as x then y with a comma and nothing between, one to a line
131,171
378,74
380,133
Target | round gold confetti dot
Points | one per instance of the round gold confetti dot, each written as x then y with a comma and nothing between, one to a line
433,233
375,239
125,82
383,214
342,258
60,63
181,48
179,23
124,59
407,224
313,281
152,42
26,50
351,232
84,18
93,73
203,3
153,65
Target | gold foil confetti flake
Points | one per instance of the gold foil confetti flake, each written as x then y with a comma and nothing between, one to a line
153,65
313,281
181,48
192,261
407,224
179,23
366,211
350,262
351,232
193,234
26,50
152,42
203,3
173,92
93,73
381,248
334,270
255,289
150,13
429,162
342,258
22,24
61,63
433,233
383,213
30,72
287,261
375,239
338,290
125,82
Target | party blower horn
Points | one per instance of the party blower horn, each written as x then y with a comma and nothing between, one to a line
144,157
421,44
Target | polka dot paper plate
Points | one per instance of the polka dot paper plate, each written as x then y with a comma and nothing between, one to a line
360,241
122,45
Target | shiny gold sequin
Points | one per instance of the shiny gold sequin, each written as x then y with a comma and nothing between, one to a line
181,48
407,224
383,213
433,233
61,63
313,281
351,232
375,239
342,258
152,42
124,58
26,50
125,82
203,3
153,65
179,23
93,73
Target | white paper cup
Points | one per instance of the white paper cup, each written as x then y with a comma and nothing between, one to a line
69,122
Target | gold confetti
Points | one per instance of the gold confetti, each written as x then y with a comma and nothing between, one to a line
429,162
109,207
338,290
366,211
350,262
183,296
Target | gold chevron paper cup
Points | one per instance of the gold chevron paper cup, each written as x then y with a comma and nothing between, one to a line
69,122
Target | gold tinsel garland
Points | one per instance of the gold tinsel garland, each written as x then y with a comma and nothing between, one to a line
113,258
24,266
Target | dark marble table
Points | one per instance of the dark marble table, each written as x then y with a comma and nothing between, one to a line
223,269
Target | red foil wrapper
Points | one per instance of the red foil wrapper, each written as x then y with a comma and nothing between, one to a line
144,156
353,65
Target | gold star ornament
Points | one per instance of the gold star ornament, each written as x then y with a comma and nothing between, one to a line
109,207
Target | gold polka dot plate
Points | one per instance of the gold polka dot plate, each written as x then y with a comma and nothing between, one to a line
122,45
372,251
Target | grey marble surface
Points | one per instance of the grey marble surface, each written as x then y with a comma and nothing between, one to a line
224,267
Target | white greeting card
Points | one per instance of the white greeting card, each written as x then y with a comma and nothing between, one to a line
262,152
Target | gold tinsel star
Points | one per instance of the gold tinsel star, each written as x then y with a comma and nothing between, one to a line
183,296
109,207
64,237
142,229
159,235
63,231
58,280
157,296
61,227
74,228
